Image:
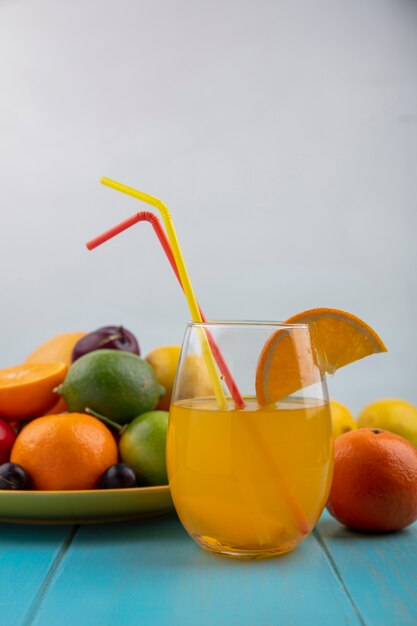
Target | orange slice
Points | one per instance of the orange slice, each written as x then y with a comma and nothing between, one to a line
27,390
288,363
58,348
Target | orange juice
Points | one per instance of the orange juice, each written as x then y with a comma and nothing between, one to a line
235,475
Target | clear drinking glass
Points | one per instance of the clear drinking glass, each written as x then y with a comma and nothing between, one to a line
252,481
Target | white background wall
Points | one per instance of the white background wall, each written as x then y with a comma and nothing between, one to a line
281,134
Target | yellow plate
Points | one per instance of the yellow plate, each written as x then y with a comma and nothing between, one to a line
82,507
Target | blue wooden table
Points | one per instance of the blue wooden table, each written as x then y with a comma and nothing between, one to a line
150,572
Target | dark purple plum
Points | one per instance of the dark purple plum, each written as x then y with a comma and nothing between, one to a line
109,338
13,476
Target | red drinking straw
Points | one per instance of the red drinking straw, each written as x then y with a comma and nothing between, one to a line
148,216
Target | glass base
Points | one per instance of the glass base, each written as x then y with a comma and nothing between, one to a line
216,547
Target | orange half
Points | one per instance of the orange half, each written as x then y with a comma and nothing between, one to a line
288,361
27,390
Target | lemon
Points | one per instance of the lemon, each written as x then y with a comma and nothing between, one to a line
142,446
342,419
164,361
118,384
193,378
393,414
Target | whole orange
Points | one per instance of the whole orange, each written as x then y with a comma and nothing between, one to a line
65,452
375,481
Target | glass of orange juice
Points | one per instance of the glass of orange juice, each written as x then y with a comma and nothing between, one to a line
251,481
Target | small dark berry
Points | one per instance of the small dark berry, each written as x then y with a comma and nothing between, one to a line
118,476
13,476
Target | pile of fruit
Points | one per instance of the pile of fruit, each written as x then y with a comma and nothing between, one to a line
85,411
374,486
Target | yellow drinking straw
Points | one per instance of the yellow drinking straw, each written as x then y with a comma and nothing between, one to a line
185,279
249,495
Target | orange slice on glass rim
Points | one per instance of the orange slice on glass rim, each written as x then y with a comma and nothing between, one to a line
338,338
27,390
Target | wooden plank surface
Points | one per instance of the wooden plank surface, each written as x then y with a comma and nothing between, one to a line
151,572
28,556
380,571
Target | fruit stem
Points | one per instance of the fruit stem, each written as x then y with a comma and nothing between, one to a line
113,337
104,419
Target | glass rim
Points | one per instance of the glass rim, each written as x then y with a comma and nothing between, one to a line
245,324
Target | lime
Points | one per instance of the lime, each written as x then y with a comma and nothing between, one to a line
142,447
117,384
